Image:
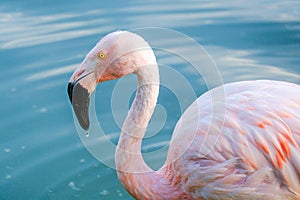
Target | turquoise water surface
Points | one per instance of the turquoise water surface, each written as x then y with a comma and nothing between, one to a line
42,42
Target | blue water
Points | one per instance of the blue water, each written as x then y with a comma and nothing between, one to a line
42,42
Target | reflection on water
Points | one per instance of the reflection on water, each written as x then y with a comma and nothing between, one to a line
42,43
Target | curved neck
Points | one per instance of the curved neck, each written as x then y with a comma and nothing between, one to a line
128,156
135,175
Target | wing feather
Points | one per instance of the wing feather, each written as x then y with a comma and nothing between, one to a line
254,144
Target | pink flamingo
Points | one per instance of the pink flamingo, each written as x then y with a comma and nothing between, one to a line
250,150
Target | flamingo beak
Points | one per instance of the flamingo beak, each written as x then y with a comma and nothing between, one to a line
80,100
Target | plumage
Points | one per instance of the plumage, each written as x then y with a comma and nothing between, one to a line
237,141
263,155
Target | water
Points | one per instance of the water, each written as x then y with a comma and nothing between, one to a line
42,42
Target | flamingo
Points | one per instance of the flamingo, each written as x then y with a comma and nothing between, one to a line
248,150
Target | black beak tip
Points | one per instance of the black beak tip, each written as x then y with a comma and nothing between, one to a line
85,126
80,99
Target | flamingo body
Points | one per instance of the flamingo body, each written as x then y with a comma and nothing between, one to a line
251,151
237,141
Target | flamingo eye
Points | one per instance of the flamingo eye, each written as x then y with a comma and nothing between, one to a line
102,55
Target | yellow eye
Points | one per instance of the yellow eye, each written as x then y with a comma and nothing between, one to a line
102,55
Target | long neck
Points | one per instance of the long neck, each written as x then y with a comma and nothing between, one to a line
135,175
129,157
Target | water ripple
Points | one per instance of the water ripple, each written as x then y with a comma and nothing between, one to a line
51,72
25,31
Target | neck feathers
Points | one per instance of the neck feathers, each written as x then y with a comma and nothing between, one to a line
128,155
135,175
132,170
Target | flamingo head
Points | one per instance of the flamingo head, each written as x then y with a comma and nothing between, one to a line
114,56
